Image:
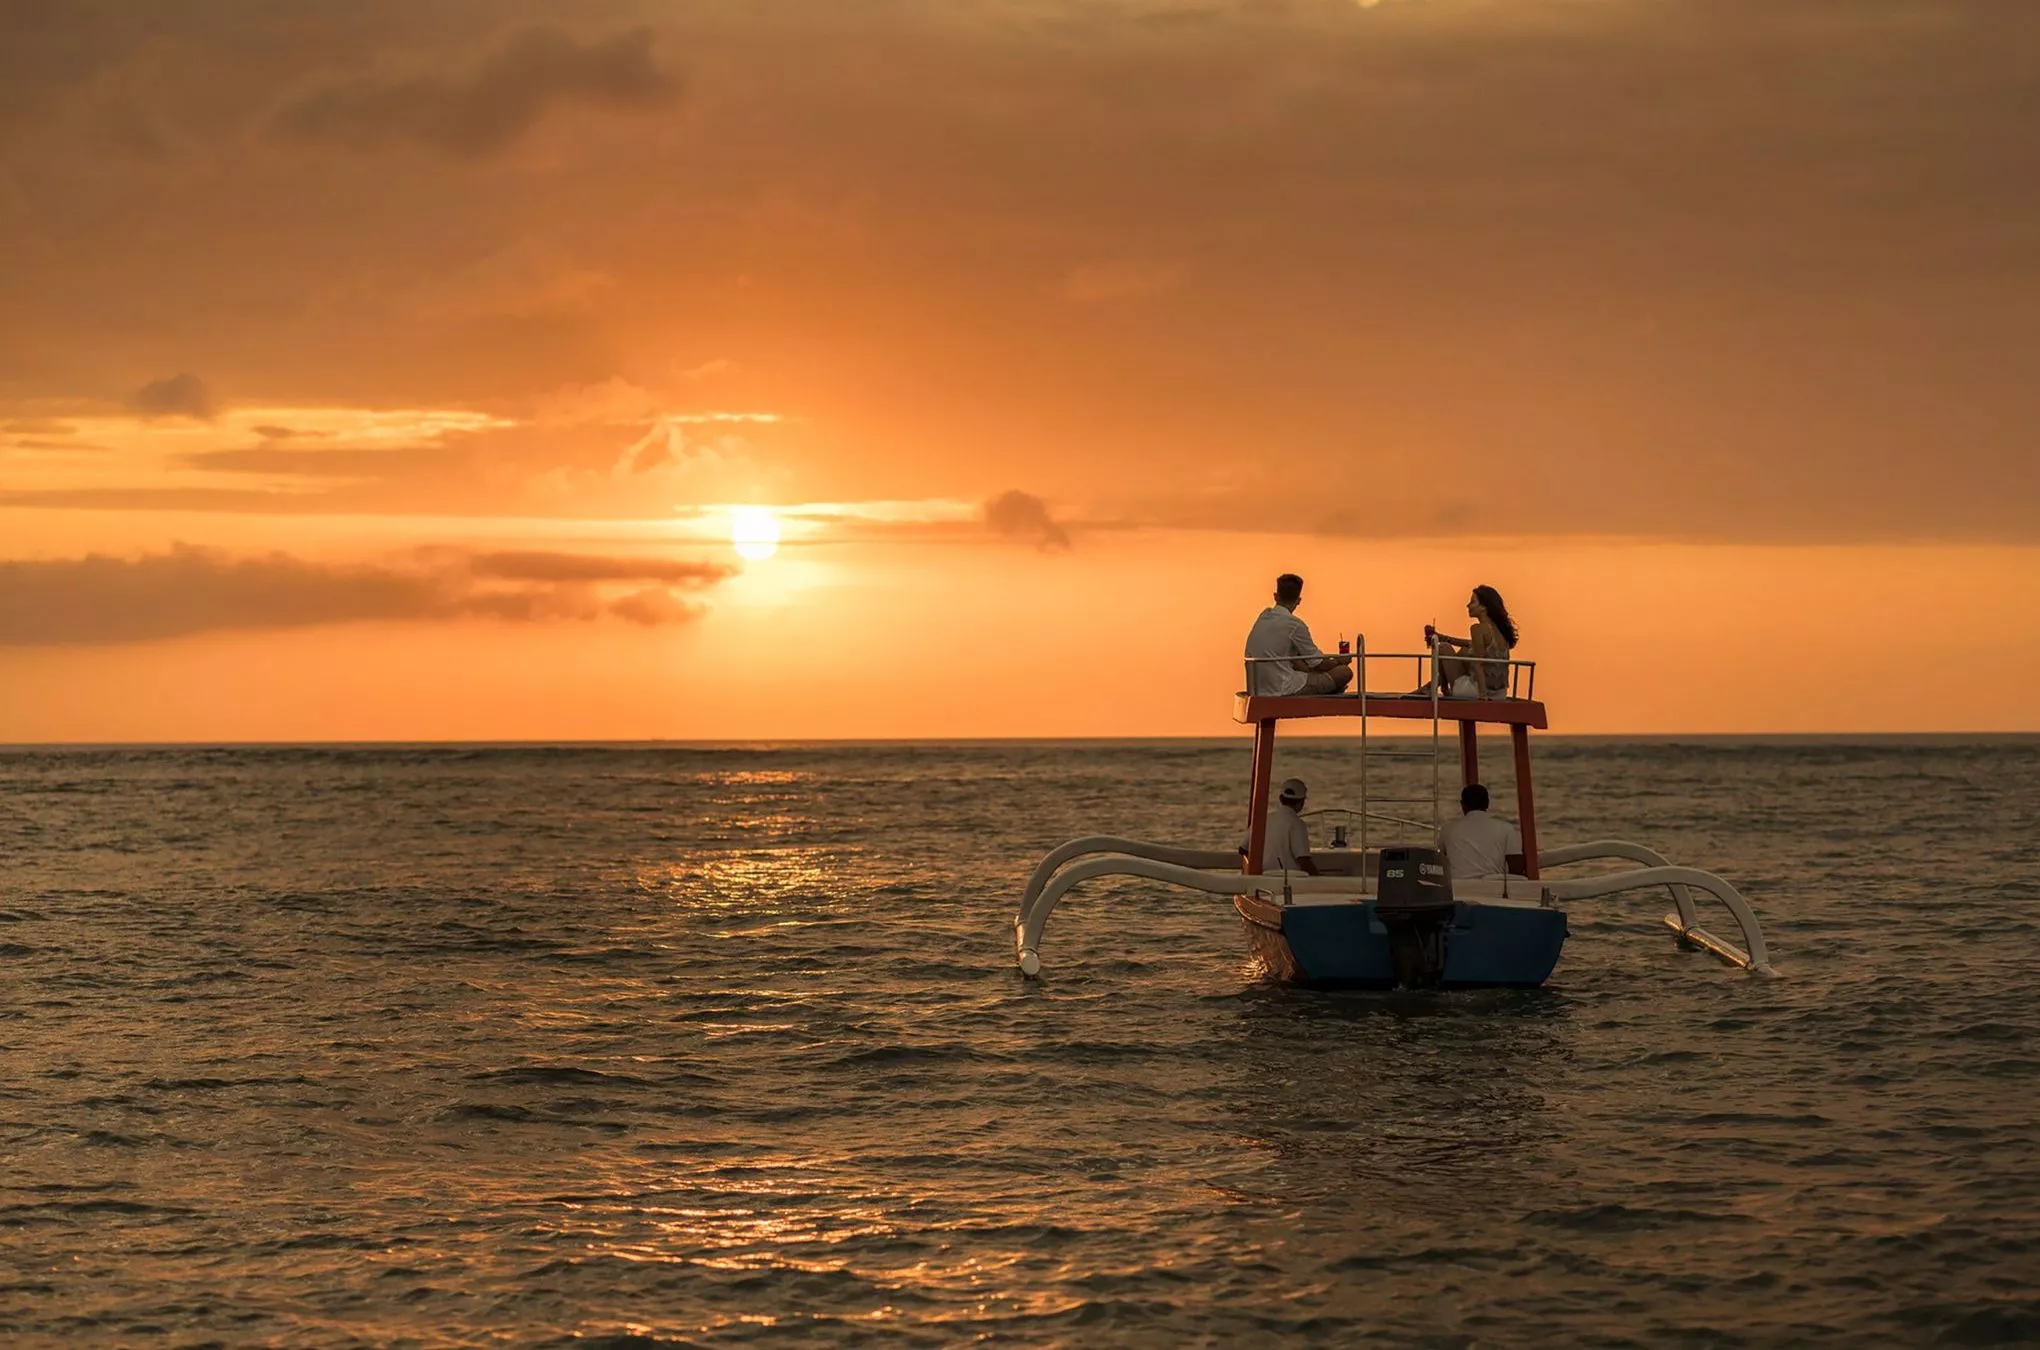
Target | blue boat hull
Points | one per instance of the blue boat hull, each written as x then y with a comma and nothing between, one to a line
1486,946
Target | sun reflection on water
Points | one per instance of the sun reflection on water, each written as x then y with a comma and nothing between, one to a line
762,778
811,877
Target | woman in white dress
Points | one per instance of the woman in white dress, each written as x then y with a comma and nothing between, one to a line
1492,639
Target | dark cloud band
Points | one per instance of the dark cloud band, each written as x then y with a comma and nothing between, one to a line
483,112
98,599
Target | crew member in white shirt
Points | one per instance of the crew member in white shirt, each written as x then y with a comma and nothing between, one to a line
1478,844
1279,633
1288,834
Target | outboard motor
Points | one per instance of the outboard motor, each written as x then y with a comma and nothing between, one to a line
1414,902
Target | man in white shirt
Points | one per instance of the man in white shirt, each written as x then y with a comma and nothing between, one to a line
1299,667
1288,834
1477,844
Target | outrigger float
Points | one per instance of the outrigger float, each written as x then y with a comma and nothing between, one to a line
1392,916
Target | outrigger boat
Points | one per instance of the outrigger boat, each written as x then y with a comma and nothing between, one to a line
1393,916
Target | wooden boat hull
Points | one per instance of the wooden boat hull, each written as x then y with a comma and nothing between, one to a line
1344,945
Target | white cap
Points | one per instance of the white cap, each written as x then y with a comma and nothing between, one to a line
1293,787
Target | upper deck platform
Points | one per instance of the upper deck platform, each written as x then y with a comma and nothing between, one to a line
1513,712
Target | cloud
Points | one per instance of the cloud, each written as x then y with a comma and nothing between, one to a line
176,396
1022,515
654,607
575,462
476,115
64,447
338,462
677,442
588,568
164,499
662,444
1762,266
101,600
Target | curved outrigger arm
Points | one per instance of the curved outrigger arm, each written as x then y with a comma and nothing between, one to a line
1753,954
1600,849
1132,848
1031,920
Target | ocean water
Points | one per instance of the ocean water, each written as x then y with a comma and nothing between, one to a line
719,1046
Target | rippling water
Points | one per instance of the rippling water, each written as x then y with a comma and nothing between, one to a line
705,1046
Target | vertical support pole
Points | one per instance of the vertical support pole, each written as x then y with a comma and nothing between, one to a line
1469,754
1437,692
1360,688
1257,806
1526,810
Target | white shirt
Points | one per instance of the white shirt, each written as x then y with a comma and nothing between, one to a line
1478,845
1278,632
1288,840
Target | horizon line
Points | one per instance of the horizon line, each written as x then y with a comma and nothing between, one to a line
779,741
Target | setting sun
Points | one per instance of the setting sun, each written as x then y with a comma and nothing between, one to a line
754,532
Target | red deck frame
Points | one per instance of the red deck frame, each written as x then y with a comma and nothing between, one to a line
1519,715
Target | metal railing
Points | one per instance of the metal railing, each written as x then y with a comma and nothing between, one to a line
1521,677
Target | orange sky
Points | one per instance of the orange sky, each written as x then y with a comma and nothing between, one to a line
386,371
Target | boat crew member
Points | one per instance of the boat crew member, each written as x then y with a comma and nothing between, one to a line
1288,833
1278,633
1477,844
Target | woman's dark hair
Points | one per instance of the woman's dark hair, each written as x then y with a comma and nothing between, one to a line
1491,601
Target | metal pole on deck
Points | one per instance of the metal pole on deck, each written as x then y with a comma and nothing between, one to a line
1360,680
1437,692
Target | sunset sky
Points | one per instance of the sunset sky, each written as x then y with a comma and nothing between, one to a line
396,370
